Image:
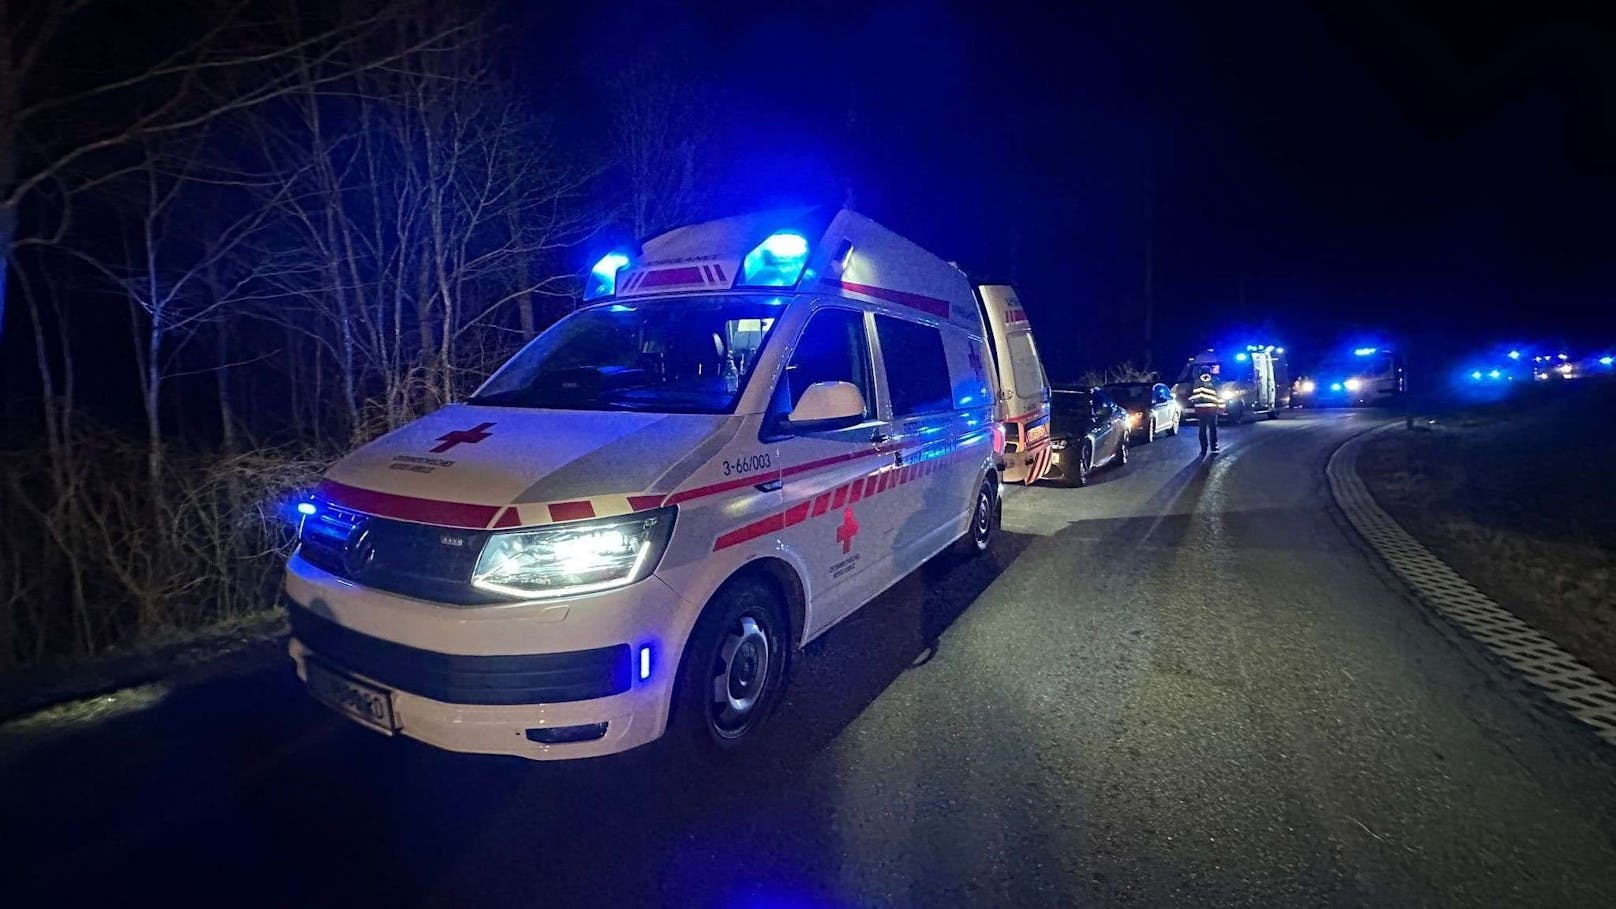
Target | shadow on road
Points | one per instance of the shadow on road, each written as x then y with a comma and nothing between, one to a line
244,790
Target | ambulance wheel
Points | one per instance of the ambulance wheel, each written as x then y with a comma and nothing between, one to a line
1150,431
1174,430
733,670
985,515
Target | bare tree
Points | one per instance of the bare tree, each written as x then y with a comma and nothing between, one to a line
656,128
46,138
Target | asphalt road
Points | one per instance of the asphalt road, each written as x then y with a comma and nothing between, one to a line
1186,684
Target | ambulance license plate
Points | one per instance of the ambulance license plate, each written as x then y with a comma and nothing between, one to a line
1036,433
363,701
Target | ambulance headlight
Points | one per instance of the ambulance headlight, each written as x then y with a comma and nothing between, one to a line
1309,386
574,558
776,262
1229,394
1353,384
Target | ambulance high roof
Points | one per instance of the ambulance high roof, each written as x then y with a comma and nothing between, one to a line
838,253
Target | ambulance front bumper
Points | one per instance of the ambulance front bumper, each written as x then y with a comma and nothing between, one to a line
547,681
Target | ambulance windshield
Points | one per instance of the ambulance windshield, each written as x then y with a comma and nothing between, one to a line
680,355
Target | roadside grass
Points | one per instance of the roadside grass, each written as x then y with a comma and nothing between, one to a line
1520,498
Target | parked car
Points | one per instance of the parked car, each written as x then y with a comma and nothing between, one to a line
1151,408
1089,431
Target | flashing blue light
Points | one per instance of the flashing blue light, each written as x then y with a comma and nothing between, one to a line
645,663
1241,357
1514,355
1335,386
1365,351
1279,350
306,508
1476,375
603,277
1606,361
776,262
1494,374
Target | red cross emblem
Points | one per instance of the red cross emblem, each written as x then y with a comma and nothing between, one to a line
470,436
847,531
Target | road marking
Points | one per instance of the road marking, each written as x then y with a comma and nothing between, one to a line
1565,679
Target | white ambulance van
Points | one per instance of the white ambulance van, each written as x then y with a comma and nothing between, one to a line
1021,389
760,424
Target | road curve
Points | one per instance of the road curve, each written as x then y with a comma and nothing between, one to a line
1186,683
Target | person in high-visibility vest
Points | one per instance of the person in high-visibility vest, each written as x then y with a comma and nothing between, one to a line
1204,398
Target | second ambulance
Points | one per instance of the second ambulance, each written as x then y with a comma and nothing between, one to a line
761,424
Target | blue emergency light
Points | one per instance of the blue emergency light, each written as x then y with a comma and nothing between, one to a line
776,262
1606,361
603,277
1365,351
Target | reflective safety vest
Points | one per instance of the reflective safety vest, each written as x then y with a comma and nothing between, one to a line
1205,392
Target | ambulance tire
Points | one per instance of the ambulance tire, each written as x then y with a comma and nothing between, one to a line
986,512
733,671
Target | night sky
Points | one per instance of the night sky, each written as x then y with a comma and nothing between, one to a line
1348,173
1305,175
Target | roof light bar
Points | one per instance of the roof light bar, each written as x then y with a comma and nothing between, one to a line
776,262
603,277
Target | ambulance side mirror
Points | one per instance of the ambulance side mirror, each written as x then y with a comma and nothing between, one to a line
825,406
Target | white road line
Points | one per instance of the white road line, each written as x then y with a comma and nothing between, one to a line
1564,678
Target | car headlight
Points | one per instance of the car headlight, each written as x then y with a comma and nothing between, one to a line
575,558
1133,419
1309,386
1354,384
1229,394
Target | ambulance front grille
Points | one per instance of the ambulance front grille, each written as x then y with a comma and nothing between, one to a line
414,560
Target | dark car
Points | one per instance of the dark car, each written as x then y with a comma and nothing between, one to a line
1087,430
1151,408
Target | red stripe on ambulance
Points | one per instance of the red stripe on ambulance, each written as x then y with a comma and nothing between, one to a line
930,305
571,511
407,508
834,500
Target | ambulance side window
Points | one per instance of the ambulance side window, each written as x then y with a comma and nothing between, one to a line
917,367
833,348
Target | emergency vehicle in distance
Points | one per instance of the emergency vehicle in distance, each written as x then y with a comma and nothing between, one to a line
760,424
1252,382
1370,375
1021,386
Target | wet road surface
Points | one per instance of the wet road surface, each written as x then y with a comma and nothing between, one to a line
1186,683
